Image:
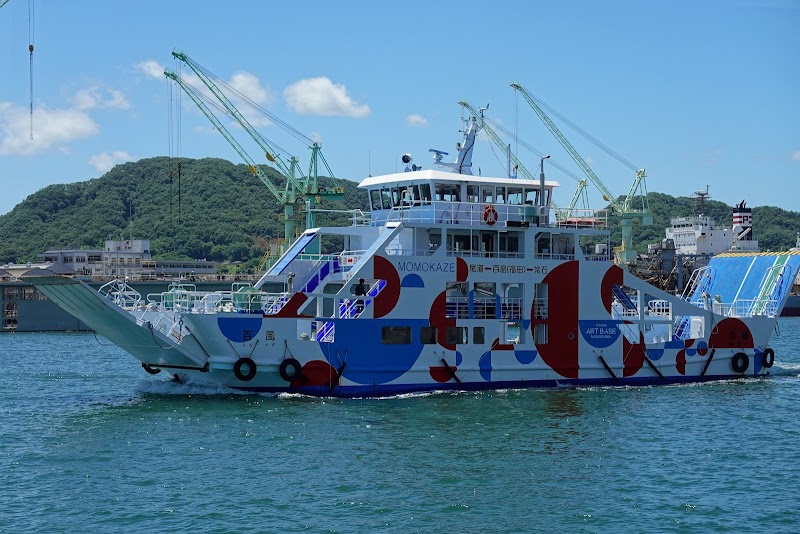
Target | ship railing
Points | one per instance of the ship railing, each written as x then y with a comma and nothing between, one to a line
619,314
457,308
348,258
659,308
121,294
465,213
470,253
484,308
580,218
597,257
348,309
747,308
774,285
355,217
511,308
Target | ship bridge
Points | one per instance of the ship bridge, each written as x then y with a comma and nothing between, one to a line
439,197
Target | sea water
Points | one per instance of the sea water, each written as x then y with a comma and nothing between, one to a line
90,443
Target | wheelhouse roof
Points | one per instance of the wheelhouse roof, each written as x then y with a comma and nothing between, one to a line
428,175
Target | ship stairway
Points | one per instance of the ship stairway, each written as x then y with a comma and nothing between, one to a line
700,281
627,308
777,281
295,250
349,309
623,298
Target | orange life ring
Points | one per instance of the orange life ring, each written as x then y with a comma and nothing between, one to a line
490,215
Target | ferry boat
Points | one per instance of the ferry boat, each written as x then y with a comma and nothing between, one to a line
469,283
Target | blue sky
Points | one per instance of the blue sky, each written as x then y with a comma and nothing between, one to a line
697,92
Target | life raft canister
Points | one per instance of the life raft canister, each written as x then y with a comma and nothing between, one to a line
290,369
768,358
251,369
489,215
740,362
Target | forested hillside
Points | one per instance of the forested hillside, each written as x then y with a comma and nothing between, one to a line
218,211
221,212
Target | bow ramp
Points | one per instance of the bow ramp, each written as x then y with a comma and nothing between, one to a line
747,284
110,314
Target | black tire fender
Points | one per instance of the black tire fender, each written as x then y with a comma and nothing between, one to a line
768,358
149,369
251,369
740,362
290,369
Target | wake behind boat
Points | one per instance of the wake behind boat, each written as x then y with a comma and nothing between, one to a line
453,281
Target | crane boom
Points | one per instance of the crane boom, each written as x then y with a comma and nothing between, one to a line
285,197
270,152
623,206
608,196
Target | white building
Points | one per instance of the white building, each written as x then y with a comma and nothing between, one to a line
125,257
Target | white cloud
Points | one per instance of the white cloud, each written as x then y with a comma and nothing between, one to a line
93,97
796,155
250,86
320,96
51,128
245,83
150,68
105,162
416,120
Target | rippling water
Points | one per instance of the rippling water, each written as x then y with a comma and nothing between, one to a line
89,442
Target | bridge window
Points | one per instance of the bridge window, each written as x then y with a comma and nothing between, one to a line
396,195
448,192
500,195
375,197
473,193
515,195
531,196
386,196
488,195
425,193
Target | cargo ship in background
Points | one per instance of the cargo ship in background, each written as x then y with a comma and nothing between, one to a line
691,242
452,282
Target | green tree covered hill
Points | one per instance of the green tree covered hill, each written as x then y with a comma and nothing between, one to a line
222,212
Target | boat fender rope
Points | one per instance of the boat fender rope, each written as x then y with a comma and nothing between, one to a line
251,369
296,370
708,362
603,361
490,215
451,371
768,358
335,382
740,362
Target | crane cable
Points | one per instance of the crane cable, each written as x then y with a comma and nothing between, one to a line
30,50
608,150
169,145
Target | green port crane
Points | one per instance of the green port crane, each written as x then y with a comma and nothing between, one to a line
287,197
306,187
624,207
